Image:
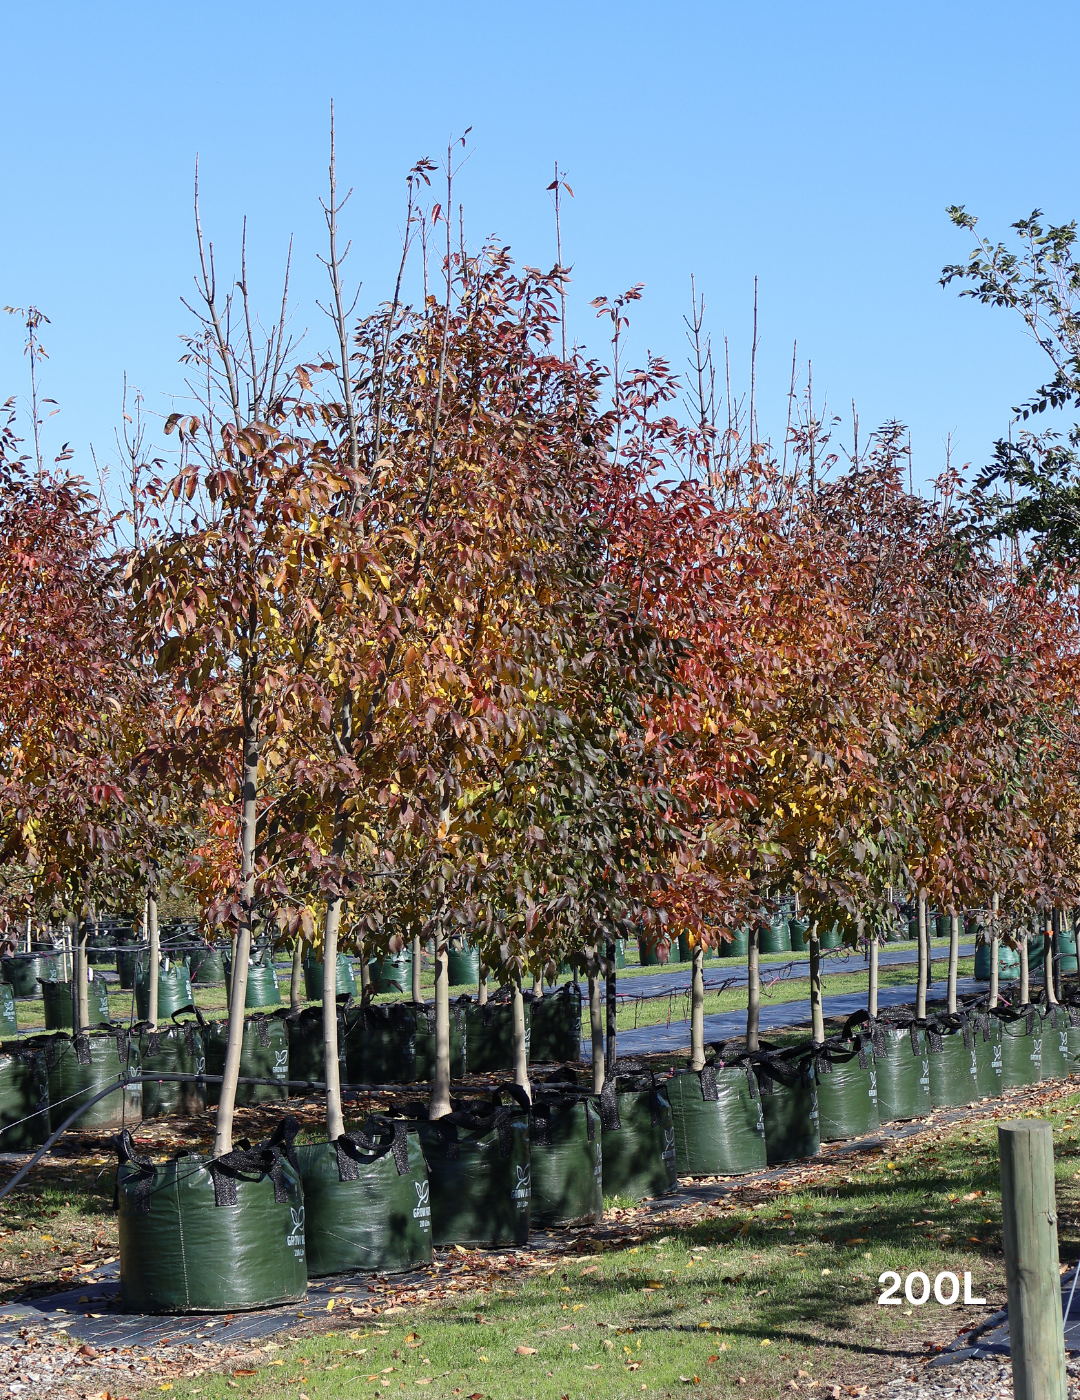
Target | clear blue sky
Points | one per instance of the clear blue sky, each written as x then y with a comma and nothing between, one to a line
814,146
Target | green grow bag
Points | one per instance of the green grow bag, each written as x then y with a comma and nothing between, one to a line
717,1117
78,1068
489,1035
942,925
425,1041
660,955
620,954
1021,1046
1071,1015
24,1098
567,1159
799,934
174,989
832,937
736,946
23,973
902,1064
366,1201
954,1065
392,973
305,1034
462,967
789,1104
1067,953
97,949
9,1021
125,966
380,1045
313,978
986,1030
264,1054
57,996
173,1050
207,967
262,985
773,937
847,1088
1008,963
638,1140
1055,1042
555,1025
479,1169
211,1236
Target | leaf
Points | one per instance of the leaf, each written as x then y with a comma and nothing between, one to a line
525,1351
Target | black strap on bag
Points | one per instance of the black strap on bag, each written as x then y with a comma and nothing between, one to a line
82,1048
707,1079
144,1168
378,1135
252,1162
609,1107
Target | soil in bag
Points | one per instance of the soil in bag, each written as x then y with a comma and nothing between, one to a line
23,972
489,1033
173,1050
366,1201
555,1025
79,1068
24,1098
264,1054
847,1084
1021,1045
174,989
902,1063
954,1065
479,1168
717,1117
202,1235
313,978
57,998
789,1105
638,1140
565,1144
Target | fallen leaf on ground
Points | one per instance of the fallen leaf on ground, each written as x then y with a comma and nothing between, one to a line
525,1351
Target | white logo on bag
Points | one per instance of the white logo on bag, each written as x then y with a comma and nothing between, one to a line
422,1209
523,1190
200,1067
669,1145
297,1235
281,1063
598,1170
873,1086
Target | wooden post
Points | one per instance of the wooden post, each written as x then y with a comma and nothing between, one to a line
1029,1221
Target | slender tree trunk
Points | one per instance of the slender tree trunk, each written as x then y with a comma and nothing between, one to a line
995,951
610,1049
521,1052
923,957
365,971
697,1009
596,1018
335,1121
232,964
440,1089
1025,985
817,1011
296,978
82,991
242,954
538,985
871,997
753,987
482,986
954,955
417,987
155,957
1050,974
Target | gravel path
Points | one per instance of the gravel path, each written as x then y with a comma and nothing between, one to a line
979,1380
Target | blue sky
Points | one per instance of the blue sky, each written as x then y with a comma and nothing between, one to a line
814,146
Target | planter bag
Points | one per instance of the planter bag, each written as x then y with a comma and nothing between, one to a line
942,925
425,1041
565,1145
1066,946
799,934
57,997
902,1064
717,1117
847,1086
24,972
832,937
173,1050
207,967
313,978
736,946
1055,1042
264,1054
174,989
462,967
201,1235
78,1068
262,984
638,1140
657,955
986,1030
304,1030
789,1105
555,1025
954,1065
9,1021
24,1098
366,1201
392,973
480,1173
1072,1038
489,1033
1008,963
126,963
1021,1045
380,1044
773,937
620,954
98,949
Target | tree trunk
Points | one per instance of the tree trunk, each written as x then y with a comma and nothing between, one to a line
923,957
440,1089
335,1121
82,991
521,1053
417,987
596,1019
1050,962
155,957
872,991
753,987
995,951
1025,985
296,975
482,987
242,954
817,1012
697,1009
538,985
954,955
610,991
365,971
